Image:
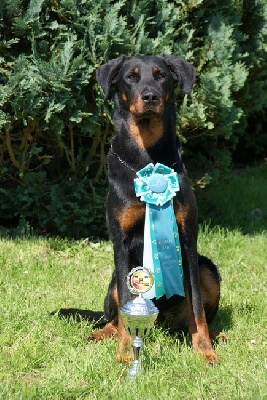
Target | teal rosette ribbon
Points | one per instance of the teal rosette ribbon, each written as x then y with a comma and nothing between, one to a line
156,185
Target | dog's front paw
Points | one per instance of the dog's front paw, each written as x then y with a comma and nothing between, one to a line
211,357
97,336
124,356
110,330
202,344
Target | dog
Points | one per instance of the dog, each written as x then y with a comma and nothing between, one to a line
145,132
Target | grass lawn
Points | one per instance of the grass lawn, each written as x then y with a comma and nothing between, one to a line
43,357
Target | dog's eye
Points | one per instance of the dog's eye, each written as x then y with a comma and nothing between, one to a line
133,77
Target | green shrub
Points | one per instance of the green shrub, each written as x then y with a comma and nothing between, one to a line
55,126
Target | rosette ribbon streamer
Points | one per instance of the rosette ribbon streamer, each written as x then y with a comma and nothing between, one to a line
156,185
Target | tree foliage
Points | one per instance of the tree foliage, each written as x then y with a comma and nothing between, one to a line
55,126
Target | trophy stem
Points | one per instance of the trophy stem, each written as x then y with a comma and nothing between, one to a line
136,365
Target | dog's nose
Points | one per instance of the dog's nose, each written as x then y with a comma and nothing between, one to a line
149,98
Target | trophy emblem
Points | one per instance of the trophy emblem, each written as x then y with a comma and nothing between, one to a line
139,314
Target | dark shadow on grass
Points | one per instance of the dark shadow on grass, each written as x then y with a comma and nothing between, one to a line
78,315
221,324
237,201
218,328
223,320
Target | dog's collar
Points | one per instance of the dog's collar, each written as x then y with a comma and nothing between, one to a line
123,162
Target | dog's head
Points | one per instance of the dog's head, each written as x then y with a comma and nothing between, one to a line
144,84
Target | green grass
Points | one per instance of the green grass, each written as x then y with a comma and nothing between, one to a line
43,357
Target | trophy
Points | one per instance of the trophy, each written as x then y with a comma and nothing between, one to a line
139,314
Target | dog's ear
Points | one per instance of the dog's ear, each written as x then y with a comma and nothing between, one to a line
107,74
181,70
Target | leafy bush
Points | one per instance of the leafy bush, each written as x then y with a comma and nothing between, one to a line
55,126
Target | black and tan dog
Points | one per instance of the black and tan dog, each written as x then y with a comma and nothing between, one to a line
145,126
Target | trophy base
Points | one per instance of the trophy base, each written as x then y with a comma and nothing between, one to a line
135,369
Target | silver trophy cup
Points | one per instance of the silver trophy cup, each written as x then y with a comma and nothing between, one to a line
139,314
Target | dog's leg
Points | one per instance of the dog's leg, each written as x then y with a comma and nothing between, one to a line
124,352
198,324
187,221
121,296
200,332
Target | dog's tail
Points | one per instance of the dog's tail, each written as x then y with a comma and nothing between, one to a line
96,317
